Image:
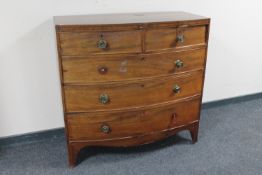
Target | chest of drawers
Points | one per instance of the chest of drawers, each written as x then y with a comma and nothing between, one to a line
130,79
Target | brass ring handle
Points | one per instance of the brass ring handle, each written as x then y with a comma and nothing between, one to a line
102,44
176,89
105,128
179,63
180,38
104,98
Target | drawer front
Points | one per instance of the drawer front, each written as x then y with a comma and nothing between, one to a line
132,94
160,39
83,43
95,126
118,68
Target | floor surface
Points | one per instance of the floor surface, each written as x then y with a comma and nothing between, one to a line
230,143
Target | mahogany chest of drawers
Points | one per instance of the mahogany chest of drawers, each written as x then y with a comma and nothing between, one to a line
130,79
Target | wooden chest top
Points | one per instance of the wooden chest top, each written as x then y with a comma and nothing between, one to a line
129,18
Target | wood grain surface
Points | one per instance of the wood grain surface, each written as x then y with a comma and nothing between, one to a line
81,70
137,71
87,126
132,94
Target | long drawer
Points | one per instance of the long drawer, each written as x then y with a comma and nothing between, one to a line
132,94
97,126
119,68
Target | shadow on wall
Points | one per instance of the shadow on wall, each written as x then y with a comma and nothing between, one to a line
30,90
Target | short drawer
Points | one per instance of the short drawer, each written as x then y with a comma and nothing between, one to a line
119,68
97,126
131,94
83,43
161,39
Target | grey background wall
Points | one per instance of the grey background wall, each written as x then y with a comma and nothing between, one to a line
30,94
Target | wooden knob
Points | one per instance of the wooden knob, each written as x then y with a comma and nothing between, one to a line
103,70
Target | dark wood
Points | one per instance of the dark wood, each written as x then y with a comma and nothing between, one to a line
194,132
137,71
